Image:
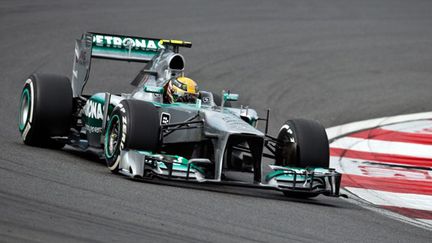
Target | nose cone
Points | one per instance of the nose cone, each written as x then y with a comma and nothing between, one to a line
227,122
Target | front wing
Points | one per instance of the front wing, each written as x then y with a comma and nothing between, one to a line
141,164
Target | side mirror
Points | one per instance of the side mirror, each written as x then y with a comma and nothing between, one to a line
230,97
154,89
227,96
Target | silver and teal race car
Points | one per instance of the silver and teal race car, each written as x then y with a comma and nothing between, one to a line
141,136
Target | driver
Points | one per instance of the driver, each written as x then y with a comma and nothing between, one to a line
181,89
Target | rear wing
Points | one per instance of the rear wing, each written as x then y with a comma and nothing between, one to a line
116,47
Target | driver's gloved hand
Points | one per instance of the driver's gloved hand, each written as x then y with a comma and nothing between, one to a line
187,98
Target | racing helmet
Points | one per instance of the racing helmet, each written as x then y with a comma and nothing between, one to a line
183,86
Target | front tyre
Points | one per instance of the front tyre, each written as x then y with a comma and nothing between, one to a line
134,124
45,110
302,143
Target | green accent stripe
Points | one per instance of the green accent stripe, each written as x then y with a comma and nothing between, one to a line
26,93
107,154
286,175
180,165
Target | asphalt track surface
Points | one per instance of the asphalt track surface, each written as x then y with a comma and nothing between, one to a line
334,61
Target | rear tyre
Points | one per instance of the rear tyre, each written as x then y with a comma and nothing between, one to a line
302,143
45,110
134,124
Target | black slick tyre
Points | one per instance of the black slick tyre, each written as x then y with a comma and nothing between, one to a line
133,124
45,110
302,143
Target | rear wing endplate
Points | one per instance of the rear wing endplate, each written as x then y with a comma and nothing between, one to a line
116,47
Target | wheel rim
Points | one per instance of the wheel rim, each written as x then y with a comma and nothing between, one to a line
112,136
287,150
289,133
24,109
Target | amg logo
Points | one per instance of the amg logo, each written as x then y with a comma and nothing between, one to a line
119,42
93,110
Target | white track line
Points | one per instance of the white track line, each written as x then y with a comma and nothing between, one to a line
405,200
411,127
352,167
337,131
384,147
426,221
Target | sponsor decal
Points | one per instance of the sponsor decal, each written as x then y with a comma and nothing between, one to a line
93,129
127,42
165,118
80,55
26,130
237,123
29,81
124,126
94,110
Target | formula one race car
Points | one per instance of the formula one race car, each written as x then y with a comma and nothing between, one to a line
142,135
